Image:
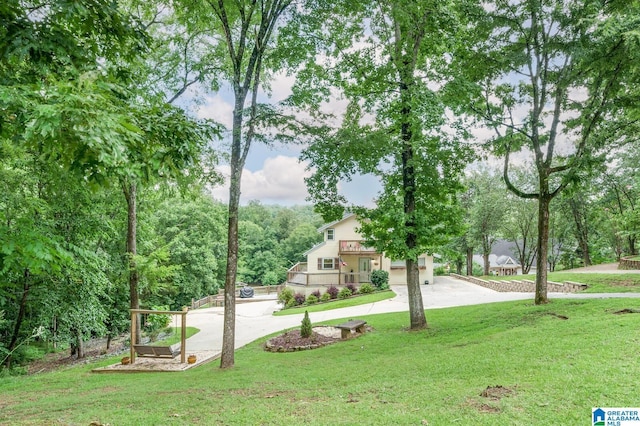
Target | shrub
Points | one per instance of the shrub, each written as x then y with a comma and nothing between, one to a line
291,303
325,297
316,294
333,292
345,293
285,296
353,288
478,270
306,329
440,270
155,323
366,288
299,298
380,279
312,299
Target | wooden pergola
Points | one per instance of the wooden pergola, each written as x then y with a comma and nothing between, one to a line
183,330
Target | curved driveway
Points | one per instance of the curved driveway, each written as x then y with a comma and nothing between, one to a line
255,319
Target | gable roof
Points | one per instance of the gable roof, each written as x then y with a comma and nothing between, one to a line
317,246
496,261
335,222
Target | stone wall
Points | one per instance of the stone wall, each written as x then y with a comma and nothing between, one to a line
627,263
523,286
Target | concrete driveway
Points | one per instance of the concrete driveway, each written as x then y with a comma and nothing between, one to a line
255,319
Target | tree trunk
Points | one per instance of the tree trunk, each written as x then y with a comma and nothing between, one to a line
631,241
21,312
582,229
79,345
416,307
485,258
543,248
227,358
470,261
132,219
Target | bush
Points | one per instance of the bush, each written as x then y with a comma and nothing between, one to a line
306,329
312,299
345,293
299,298
380,279
366,288
155,323
316,294
333,292
440,270
285,296
353,288
325,297
478,270
291,303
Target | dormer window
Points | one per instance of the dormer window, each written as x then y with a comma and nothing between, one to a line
331,234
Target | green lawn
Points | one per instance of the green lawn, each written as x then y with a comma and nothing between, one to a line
336,304
598,283
553,371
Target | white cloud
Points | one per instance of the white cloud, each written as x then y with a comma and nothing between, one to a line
217,109
280,181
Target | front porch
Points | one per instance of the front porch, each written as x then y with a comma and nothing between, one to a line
351,270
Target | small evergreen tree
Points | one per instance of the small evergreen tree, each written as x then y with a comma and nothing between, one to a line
305,330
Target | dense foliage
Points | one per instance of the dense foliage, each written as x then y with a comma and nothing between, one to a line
103,178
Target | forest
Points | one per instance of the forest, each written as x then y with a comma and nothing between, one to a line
514,120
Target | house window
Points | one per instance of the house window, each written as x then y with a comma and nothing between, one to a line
327,263
331,234
398,264
401,264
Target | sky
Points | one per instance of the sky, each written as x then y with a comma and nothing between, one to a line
274,174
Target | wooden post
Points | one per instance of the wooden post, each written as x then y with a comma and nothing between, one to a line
134,318
183,331
183,339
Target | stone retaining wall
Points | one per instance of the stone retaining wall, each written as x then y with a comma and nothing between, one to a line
523,286
629,264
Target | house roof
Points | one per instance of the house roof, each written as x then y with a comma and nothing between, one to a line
331,224
496,261
317,246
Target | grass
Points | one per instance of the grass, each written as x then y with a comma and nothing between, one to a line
554,371
340,303
598,283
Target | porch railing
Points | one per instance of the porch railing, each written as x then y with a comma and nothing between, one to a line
354,247
298,275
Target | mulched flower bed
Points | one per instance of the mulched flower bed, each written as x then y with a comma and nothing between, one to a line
291,341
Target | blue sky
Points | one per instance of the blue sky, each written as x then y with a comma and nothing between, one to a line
274,174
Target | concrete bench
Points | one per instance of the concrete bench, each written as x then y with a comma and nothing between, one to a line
156,351
348,327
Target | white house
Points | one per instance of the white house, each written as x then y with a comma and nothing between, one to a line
342,259
500,265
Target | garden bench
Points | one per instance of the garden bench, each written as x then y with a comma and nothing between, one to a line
348,327
156,351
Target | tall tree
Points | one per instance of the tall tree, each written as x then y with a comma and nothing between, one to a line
487,212
549,75
247,33
520,228
386,58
